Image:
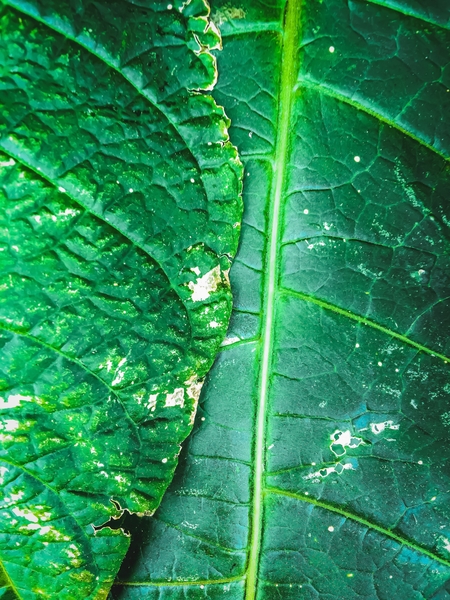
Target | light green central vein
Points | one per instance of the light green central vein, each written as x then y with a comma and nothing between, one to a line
288,80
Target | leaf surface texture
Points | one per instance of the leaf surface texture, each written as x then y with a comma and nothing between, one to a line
318,468
120,211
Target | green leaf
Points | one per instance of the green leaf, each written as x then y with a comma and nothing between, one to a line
318,467
120,213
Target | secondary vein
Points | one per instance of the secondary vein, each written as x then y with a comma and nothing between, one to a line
79,363
383,530
105,58
288,78
163,584
408,13
365,321
7,580
68,357
127,234
325,90
70,512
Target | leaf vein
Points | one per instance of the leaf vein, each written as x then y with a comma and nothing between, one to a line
180,583
331,93
49,487
383,530
106,59
407,13
365,321
288,76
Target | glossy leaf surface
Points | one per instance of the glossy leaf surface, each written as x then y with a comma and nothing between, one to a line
318,468
120,213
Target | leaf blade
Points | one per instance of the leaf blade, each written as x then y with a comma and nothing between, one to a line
106,337
355,428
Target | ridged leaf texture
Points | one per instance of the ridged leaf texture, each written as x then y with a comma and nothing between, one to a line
120,213
318,468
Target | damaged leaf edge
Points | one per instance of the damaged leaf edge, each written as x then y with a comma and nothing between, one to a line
209,26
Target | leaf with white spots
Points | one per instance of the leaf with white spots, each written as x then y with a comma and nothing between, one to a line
119,196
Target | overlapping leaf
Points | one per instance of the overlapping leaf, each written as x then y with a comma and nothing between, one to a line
120,213
319,464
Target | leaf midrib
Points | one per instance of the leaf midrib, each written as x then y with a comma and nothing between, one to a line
288,78
320,87
289,86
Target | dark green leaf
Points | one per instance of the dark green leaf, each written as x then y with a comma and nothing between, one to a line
120,213
318,468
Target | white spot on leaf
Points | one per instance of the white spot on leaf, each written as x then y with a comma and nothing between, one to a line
230,340
340,440
14,400
176,398
152,402
118,375
339,468
25,514
377,428
205,285
193,391
9,425
3,470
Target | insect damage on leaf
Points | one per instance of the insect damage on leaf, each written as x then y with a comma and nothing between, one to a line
205,285
227,13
